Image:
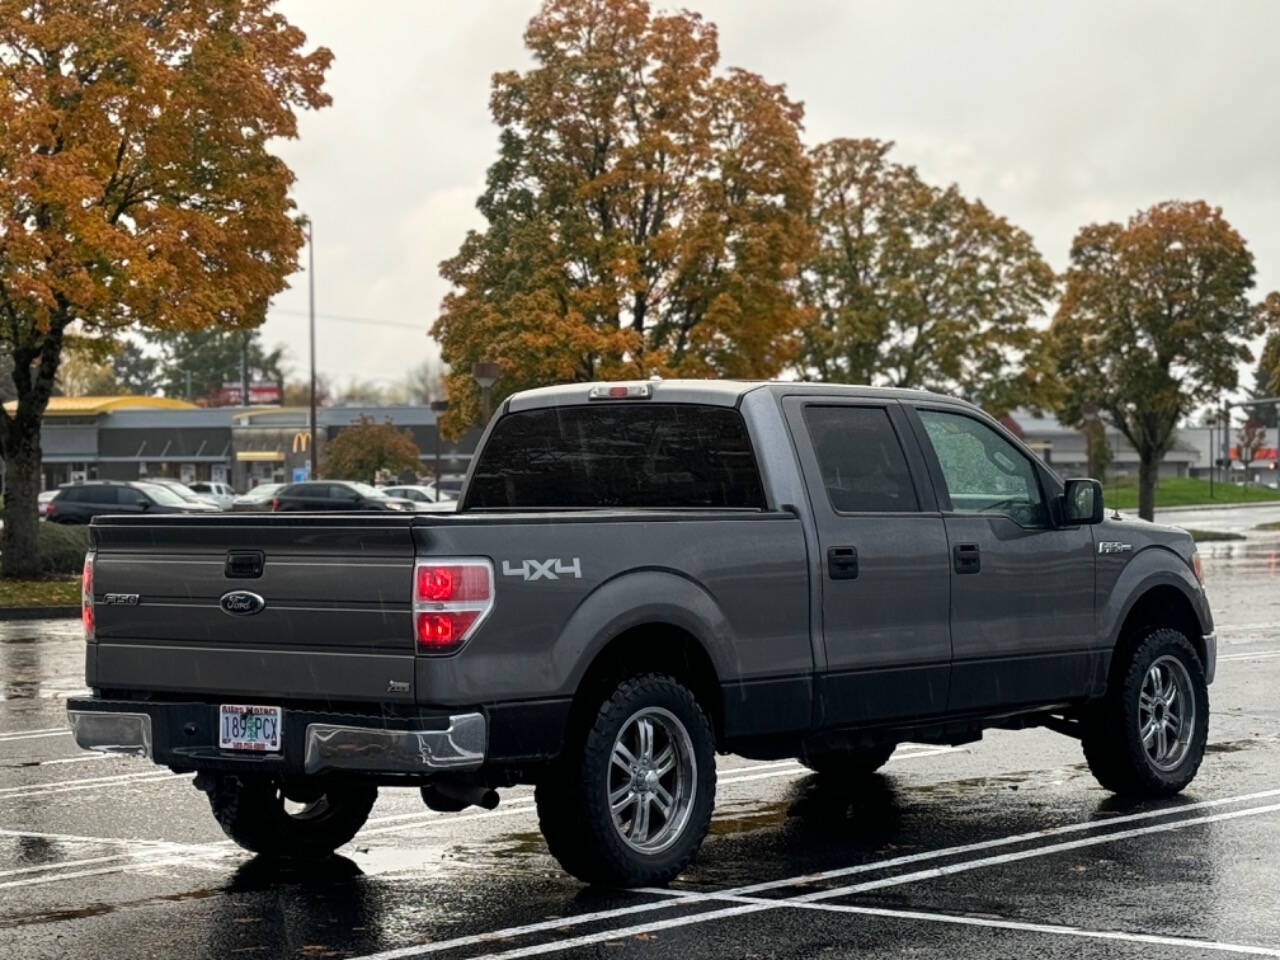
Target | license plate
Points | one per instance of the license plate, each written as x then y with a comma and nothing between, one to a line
250,728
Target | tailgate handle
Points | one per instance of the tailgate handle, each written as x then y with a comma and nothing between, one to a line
244,564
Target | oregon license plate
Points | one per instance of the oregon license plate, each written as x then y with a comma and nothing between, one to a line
254,728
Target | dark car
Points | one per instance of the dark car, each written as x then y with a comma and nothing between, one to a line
336,495
81,502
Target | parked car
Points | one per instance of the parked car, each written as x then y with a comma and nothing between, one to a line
181,489
220,493
336,495
259,498
642,575
81,502
44,500
422,494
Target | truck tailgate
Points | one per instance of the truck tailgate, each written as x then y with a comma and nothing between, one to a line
333,622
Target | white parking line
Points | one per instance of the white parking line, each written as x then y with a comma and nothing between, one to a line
162,855
32,735
1026,927
678,898
150,776
755,906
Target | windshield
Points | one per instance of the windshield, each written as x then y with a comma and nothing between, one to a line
163,495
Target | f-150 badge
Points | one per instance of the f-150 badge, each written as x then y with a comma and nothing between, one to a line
1113,546
552,569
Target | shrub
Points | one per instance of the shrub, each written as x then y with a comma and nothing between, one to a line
62,548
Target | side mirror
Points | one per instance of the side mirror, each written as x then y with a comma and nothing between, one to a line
1082,501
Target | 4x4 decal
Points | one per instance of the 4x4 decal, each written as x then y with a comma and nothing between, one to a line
552,569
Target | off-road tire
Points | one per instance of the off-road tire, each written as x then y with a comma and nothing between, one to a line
1111,738
851,764
572,797
251,812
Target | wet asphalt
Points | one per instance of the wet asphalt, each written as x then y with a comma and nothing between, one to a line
1003,848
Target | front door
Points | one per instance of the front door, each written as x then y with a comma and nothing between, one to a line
1022,618
883,552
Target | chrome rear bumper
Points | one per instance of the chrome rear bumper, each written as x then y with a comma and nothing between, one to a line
333,747
127,733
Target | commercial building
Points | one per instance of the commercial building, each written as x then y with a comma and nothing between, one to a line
131,438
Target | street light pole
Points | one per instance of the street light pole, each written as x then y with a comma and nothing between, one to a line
485,373
311,316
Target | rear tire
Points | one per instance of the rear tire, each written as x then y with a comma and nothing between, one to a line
252,812
850,764
630,801
1146,737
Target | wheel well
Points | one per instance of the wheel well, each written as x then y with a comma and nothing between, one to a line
1162,606
651,648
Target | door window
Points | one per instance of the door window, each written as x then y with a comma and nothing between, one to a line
983,471
129,497
863,467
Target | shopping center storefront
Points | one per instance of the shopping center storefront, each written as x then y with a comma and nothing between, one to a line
132,438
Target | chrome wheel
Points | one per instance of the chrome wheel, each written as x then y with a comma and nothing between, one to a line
1166,713
652,780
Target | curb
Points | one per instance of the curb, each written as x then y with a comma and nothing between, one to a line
1217,506
39,613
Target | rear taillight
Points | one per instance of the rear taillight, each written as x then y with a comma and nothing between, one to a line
450,600
86,596
275,503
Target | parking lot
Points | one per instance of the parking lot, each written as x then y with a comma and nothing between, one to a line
1003,848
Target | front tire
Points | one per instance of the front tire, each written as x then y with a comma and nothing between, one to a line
1146,738
630,801
253,812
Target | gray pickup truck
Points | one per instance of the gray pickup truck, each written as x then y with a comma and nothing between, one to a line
641,575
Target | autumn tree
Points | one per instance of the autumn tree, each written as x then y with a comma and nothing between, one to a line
363,449
914,285
1153,322
646,213
136,186
1250,439
1266,378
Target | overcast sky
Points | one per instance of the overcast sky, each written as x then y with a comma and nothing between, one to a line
1053,114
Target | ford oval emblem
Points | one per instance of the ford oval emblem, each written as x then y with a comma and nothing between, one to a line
241,603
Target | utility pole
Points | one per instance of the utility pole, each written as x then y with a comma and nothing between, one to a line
439,406
311,315
244,368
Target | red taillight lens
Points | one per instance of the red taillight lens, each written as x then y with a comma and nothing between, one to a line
275,504
450,599
442,632
459,582
86,596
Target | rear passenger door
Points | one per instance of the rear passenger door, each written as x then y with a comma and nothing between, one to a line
1022,619
883,552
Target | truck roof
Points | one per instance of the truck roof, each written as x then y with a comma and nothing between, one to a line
724,393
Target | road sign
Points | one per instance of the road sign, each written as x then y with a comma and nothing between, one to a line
301,474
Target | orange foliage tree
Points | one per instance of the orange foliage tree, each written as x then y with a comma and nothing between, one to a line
1154,321
646,213
914,285
363,449
136,186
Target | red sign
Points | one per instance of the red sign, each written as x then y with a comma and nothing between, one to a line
260,394
1263,453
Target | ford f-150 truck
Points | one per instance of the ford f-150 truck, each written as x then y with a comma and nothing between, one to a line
641,575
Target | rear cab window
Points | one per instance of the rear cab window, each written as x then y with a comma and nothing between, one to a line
651,455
